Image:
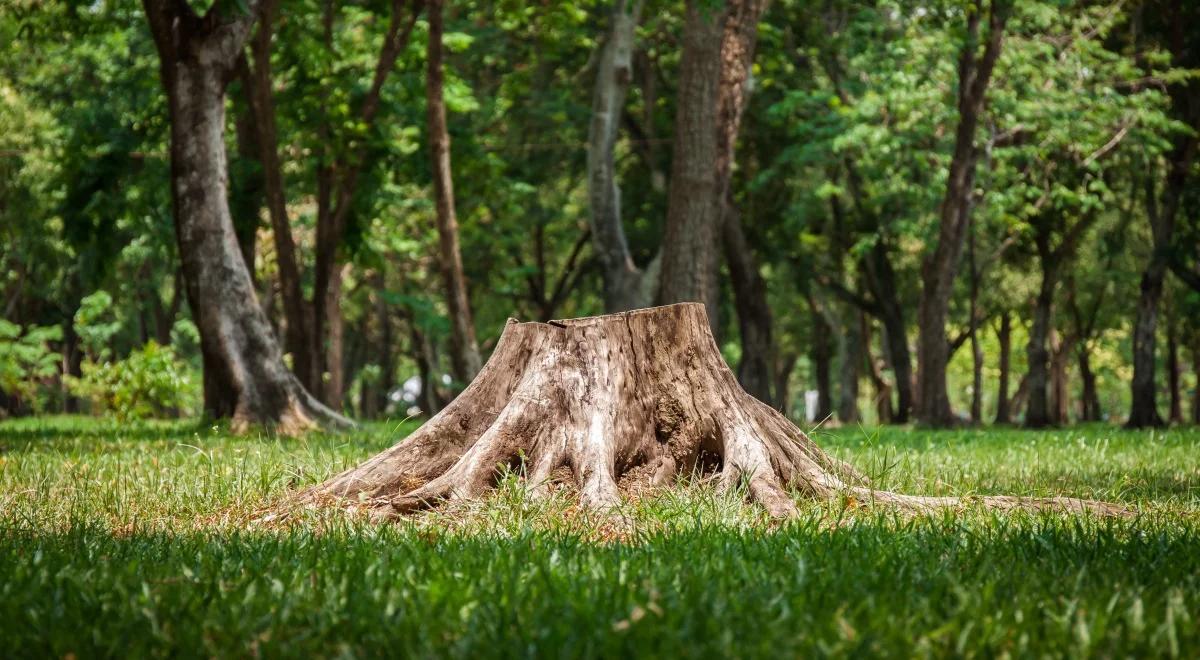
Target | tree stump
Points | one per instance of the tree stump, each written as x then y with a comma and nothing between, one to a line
643,392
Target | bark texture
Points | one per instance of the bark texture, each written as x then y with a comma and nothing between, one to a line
639,398
692,234
244,375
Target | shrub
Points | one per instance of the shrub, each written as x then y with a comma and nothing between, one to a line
150,382
26,362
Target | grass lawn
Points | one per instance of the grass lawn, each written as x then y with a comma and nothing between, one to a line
132,540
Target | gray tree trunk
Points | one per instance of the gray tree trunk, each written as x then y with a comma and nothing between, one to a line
624,283
245,378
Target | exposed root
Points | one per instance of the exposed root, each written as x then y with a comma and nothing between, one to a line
621,402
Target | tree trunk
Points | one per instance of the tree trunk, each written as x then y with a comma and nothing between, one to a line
940,266
692,233
1185,97
334,384
624,283
749,289
1060,391
1037,353
1144,406
755,370
297,313
973,329
881,279
1090,399
849,368
464,351
1004,338
822,356
883,390
783,380
244,375
611,403
1173,368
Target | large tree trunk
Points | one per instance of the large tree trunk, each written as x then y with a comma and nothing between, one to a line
625,285
692,234
464,351
612,403
1004,338
940,266
244,375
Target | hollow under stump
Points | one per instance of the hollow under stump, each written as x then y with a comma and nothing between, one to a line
642,393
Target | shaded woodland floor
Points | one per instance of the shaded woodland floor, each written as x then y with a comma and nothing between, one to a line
134,540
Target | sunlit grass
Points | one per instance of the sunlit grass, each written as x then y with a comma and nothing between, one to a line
134,540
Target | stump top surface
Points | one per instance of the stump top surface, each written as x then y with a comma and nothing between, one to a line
675,309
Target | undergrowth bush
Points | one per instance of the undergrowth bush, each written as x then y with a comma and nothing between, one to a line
151,382
26,362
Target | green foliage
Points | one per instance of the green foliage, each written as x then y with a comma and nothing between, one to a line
27,361
149,382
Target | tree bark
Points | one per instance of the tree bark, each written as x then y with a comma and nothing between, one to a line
850,366
1173,376
882,281
1060,391
755,370
738,41
973,329
244,375
1089,410
464,350
883,390
783,380
1004,338
1037,352
621,402
692,232
625,285
1185,97
821,355
940,266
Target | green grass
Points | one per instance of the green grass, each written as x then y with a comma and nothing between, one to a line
132,540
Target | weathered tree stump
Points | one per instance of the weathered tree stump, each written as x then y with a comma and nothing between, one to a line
644,391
